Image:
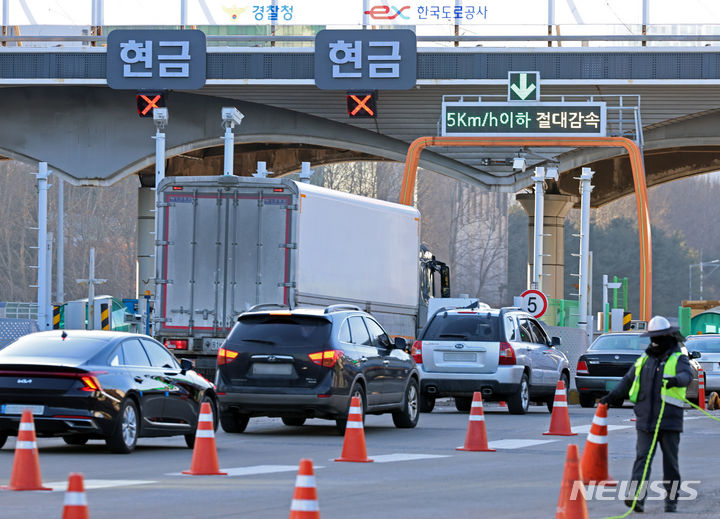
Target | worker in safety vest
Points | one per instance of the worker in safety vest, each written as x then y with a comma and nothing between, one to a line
661,373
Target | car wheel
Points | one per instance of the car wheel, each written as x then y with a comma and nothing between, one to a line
463,403
586,400
519,402
75,440
190,438
232,422
293,421
125,435
3,439
408,416
341,421
566,382
426,404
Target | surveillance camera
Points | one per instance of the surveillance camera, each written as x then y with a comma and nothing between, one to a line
161,116
231,115
552,173
519,163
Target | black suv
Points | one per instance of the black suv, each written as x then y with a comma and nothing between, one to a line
308,363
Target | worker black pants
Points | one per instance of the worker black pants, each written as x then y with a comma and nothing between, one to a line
669,442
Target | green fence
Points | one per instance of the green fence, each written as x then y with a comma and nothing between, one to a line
561,312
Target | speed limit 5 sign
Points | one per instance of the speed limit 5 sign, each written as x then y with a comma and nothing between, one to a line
534,302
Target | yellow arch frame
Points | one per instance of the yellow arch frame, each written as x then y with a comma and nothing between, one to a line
636,163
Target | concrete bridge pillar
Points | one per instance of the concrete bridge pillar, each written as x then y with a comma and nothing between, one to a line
556,208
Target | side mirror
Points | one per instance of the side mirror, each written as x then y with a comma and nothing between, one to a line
695,354
401,343
555,342
186,365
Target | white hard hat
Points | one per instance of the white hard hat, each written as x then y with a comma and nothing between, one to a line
658,325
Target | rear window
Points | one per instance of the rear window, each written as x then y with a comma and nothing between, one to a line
466,327
620,342
293,331
704,344
79,348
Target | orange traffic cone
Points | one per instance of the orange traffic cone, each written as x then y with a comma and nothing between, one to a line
502,403
204,459
571,502
305,502
75,500
476,437
701,388
560,418
26,465
354,443
594,461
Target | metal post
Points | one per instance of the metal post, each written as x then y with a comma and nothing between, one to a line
690,282
366,8
645,18
701,278
91,291
229,150
160,118
605,303
539,180
458,3
551,18
60,265
43,319
183,13
585,190
48,284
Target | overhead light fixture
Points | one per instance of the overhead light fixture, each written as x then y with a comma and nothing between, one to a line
519,163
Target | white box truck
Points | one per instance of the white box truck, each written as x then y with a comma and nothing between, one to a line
228,243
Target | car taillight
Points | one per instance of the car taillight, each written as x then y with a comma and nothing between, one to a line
176,344
225,356
582,368
416,352
326,358
507,355
90,383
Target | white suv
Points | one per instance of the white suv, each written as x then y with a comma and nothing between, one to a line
504,353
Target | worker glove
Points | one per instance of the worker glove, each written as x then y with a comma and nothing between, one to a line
671,382
605,400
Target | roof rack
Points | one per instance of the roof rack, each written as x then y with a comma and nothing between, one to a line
339,308
266,306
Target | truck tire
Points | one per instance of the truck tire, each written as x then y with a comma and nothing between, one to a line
124,437
407,417
232,422
341,421
519,402
427,403
293,421
586,400
463,403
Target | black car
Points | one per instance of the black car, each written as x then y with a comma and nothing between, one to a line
308,363
607,360
85,385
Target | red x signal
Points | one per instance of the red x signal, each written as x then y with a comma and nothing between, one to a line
362,105
146,103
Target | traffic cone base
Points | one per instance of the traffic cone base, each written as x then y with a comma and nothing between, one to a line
476,436
26,465
594,460
354,443
304,503
560,418
204,459
75,504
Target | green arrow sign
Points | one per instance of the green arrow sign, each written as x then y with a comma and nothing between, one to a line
524,86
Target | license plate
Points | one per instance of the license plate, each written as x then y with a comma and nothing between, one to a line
212,345
262,368
461,356
610,384
19,408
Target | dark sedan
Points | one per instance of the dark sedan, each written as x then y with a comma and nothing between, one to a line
607,360
84,385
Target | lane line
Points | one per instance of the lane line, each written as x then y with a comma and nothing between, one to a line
253,470
584,429
90,484
389,458
516,444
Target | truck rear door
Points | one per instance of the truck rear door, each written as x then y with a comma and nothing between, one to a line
224,250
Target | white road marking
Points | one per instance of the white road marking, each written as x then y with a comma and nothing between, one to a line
516,444
90,484
584,429
389,458
253,470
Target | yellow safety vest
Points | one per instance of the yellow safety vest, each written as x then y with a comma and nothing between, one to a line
674,395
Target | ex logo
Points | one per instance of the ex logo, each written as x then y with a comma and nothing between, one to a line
382,12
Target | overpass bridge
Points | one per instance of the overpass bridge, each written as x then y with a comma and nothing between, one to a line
58,108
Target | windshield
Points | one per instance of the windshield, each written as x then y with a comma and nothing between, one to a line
78,348
293,331
704,344
466,327
620,342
